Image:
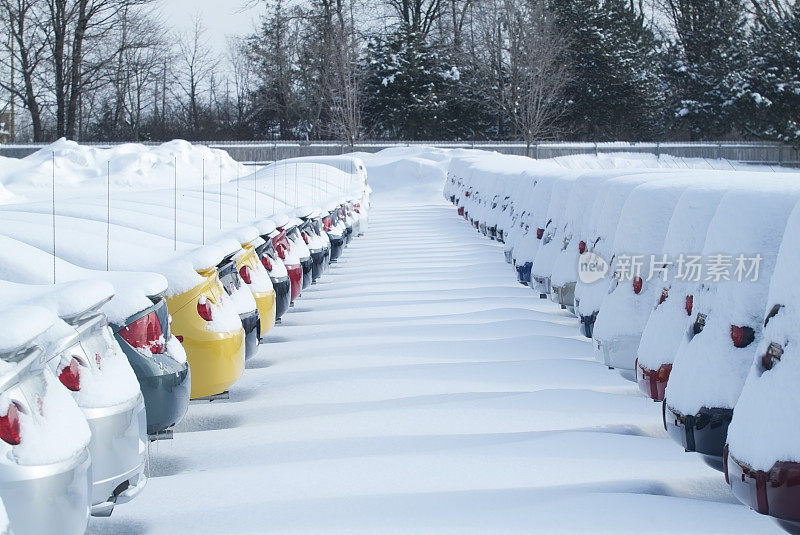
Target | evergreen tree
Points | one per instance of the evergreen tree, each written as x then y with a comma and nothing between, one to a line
615,92
766,95
407,84
708,46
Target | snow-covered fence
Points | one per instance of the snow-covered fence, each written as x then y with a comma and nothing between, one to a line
263,151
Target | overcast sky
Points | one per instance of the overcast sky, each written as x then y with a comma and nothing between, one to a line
220,17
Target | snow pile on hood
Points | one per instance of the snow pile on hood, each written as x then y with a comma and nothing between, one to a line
709,371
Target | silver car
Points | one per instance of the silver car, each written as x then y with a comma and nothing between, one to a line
119,429
81,351
44,457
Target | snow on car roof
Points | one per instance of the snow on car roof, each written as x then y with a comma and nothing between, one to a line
65,300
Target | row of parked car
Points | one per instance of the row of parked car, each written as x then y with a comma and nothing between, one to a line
93,369
685,281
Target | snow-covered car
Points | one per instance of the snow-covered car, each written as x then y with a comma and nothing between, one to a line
713,361
45,465
335,228
292,229
762,460
241,297
549,248
206,321
665,328
139,319
638,272
288,256
275,268
253,274
589,295
310,232
533,221
81,351
564,273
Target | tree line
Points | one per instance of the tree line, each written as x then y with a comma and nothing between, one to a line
346,70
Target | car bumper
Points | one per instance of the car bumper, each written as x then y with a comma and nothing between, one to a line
587,324
216,360
317,264
266,304
564,295
653,383
524,273
48,499
251,323
705,432
775,492
619,352
118,448
165,384
283,295
296,277
337,246
508,254
308,267
541,285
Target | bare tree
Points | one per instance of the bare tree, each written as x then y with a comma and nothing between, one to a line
196,66
523,59
343,82
26,53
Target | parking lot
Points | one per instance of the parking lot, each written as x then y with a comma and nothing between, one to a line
419,388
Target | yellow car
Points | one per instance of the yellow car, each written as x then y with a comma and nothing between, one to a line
255,275
204,321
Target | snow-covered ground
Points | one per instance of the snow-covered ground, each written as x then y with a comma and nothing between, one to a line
419,389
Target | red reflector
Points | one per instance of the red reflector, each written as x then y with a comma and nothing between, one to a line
742,336
245,274
582,247
145,333
204,309
9,426
689,303
180,338
70,375
637,285
539,233
266,263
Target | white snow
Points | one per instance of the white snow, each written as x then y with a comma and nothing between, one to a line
417,388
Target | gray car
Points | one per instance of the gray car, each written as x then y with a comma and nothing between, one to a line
81,351
44,457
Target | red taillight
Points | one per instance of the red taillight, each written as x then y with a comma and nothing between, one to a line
305,237
637,285
327,224
281,251
180,338
266,263
9,426
742,336
688,305
246,274
145,333
581,247
70,375
204,309
664,295
539,233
